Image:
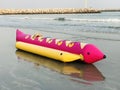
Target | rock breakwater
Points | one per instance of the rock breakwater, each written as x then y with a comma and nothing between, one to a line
48,11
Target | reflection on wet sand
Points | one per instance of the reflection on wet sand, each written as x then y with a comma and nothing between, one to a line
83,71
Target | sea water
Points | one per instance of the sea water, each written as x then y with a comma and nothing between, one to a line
20,70
108,22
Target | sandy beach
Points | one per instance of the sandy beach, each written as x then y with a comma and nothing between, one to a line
19,73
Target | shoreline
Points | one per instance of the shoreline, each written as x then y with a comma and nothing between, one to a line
49,11
110,10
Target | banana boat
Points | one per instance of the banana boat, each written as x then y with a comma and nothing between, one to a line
58,49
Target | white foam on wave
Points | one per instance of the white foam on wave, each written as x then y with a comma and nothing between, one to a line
97,20
115,20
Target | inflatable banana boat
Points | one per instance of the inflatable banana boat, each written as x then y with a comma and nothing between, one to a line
62,50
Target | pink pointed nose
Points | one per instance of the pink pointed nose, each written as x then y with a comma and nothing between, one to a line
92,54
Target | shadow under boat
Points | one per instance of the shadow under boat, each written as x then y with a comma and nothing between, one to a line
75,69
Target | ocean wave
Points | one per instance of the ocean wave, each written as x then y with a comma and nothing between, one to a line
78,19
87,20
117,20
96,20
84,20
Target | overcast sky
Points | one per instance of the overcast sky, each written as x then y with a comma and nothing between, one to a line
58,4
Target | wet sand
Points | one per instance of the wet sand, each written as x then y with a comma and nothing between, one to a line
24,71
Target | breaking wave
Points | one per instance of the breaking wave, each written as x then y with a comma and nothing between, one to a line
88,20
114,20
97,20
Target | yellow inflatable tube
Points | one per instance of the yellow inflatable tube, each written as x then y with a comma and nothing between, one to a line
48,52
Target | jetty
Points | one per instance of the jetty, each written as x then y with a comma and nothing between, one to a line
49,11
110,10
